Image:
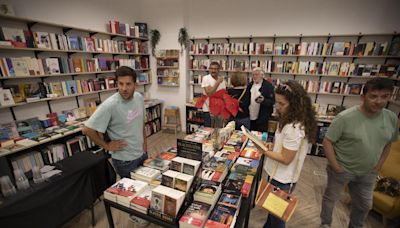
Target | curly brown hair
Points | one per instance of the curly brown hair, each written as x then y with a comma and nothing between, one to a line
300,108
238,79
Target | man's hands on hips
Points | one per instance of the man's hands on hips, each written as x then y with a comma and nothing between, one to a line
116,145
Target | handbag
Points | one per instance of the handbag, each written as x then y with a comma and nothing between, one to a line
241,96
276,201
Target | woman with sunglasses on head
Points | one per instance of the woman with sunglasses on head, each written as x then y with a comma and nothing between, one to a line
296,131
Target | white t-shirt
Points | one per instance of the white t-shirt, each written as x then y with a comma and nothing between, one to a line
254,107
206,81
290,138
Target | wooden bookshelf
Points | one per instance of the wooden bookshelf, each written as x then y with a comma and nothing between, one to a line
280,57
149,105
316,56
294,36
31,22
71,51
286,52
58,98
68,53
168,68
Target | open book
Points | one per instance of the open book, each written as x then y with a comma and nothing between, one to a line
253,138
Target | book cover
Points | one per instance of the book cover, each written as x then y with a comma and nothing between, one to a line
333,110
157,201
181,185
222,214
170,206
73,146
53,65
6,97
73,42
16,36
196,214
42,40
233,186
253,138
188,169
177,166
142,29
248,162
394,49
230,200
142,201
20,66
167,156
168,181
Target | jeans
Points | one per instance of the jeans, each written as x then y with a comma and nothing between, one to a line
360,188
272,221
207,119
124,168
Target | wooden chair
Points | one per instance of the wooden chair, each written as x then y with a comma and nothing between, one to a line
172,119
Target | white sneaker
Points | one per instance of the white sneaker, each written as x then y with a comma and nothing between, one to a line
140,222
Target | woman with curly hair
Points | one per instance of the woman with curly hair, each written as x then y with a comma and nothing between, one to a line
296,131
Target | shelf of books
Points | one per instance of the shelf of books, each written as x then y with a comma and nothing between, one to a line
153,117
168,68
64,54
325,64
68,95
205,181
331,68
137,31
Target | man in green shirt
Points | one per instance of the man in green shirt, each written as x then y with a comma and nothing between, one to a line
356,145
122,116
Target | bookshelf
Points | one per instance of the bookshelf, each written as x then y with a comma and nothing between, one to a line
332,67
40,52
66,66
303,58
168,68
152,117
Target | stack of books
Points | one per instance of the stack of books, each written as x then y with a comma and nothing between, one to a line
166,200
124,191
215,169
185,165
195,216
141,202
157,163
145,174
250,152
208,192
177,180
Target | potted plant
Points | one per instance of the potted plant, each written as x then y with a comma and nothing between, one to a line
183,38
154,39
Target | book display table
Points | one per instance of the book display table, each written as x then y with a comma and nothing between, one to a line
52,203
242,218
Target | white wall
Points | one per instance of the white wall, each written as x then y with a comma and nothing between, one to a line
219,18
291,17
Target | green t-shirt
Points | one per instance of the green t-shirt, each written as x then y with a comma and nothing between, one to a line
123,120
358,140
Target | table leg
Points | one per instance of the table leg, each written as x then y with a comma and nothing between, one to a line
109,215
246,222
93,219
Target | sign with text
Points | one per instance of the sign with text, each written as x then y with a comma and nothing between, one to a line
190,149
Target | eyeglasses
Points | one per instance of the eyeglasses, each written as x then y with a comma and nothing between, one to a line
285,87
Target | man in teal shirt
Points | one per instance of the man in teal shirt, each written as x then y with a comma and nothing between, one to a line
356,145
122,117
